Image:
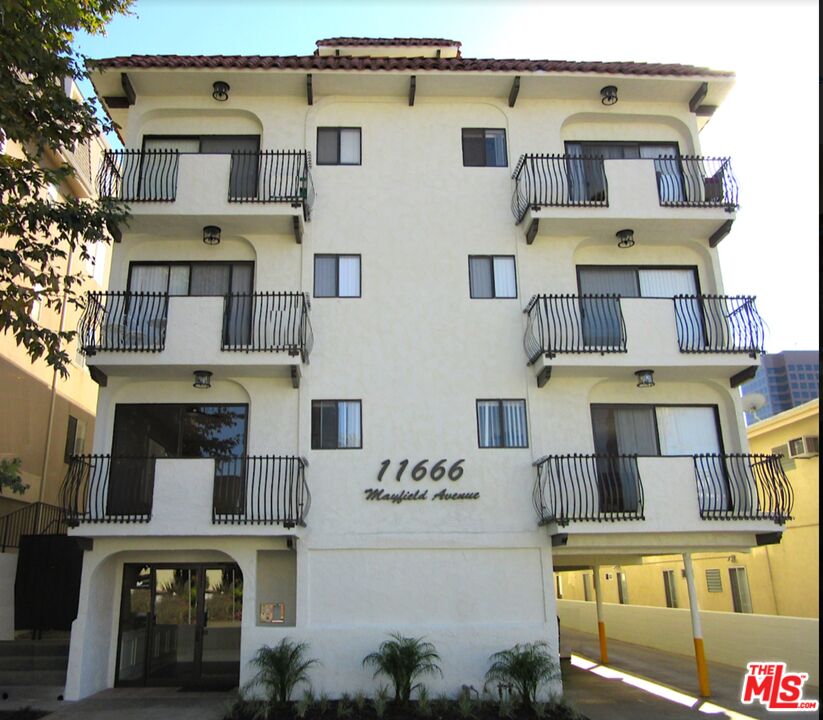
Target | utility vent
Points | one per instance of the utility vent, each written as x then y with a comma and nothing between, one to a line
714,583
804,447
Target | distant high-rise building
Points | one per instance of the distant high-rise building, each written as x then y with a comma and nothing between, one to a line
786,379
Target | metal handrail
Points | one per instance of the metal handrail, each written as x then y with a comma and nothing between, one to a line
595,487
37,518
718,324
740,486
558,181
694,181
102,488
139,175
266,489
124,321
268,321
272,176
574,324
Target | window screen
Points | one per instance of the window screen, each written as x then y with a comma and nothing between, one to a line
502,424
336,424
492,276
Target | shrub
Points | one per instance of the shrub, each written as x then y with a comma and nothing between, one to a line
281,668
403,660
526,667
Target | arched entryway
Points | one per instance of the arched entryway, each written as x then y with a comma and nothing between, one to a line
180,624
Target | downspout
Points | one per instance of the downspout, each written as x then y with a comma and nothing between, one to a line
52,402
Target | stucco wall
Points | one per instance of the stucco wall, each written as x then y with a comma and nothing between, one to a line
730,638
8,571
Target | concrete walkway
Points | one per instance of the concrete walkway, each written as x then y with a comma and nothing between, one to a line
611,699
134,704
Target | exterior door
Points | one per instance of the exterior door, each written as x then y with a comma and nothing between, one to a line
180,625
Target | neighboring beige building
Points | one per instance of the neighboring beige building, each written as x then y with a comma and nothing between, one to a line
777,579
39,409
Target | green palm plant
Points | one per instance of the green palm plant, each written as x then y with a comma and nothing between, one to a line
403,660
281,668
526,667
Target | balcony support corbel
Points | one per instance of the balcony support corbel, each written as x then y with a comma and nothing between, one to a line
514,91
309,90
295,376
298,231
720,233
544,376
743,376
412,89
532,230
98,376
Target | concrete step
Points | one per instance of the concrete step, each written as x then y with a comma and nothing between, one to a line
34,662
31,677
34,648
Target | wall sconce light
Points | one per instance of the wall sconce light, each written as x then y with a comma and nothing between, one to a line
221,91
211,235
202,379
645,378
608,95
625,238
732,558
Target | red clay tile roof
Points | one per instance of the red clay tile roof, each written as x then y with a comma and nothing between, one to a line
402,42
347,62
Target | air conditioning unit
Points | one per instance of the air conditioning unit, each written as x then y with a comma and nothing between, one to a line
804,447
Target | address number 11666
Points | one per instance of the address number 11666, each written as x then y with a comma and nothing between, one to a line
436,472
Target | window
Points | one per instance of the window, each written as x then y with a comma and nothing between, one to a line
587,587
741,599
192,278
622,589
587,178
75,438
338,146
336,276
670,588
336,425
502,424
484,147
714,581
143,432
492,276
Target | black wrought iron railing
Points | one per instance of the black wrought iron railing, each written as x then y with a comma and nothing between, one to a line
269,490
588,487
275,322
272,176
558,181
124,321
691,181
139,175
742,487
102,488
34,519
718,324
574,324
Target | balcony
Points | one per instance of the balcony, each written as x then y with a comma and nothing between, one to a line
680,338
156,334
679,198
172,192
613,494
184,496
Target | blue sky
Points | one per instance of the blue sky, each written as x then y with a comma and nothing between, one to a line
773,249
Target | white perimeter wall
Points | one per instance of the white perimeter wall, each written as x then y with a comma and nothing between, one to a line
730,638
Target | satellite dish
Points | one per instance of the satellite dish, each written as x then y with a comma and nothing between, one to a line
752,402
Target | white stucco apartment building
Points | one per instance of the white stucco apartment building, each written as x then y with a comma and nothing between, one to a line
370,358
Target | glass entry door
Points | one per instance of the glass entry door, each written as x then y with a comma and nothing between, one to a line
180,625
